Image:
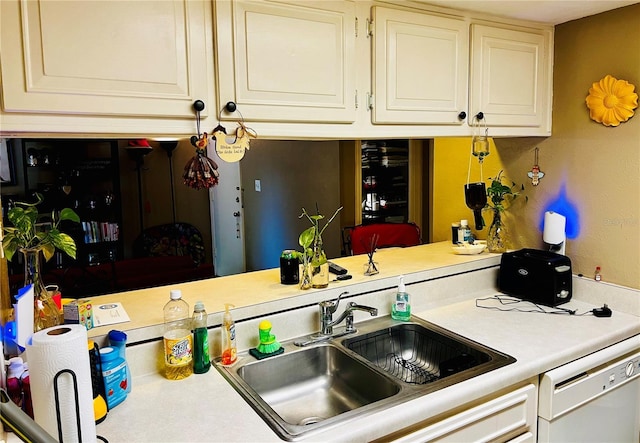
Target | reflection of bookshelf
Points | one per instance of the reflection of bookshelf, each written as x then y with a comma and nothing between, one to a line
400,180
82,175
385,181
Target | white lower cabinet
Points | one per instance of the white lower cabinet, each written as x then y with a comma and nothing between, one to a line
509,417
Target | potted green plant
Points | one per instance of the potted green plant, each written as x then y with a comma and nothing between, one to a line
33,239
500,197
315,267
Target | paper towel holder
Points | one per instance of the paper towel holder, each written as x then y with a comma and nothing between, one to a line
554,231
77,402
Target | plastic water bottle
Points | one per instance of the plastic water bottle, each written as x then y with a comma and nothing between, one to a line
201,358
178,342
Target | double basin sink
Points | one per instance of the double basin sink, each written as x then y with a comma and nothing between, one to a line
307,389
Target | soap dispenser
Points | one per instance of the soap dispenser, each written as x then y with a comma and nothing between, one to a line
401,307
229,352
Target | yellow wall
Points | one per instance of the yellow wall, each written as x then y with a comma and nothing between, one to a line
598,166
451,160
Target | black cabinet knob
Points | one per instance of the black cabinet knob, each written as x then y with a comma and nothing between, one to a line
480,115
198,105
462,115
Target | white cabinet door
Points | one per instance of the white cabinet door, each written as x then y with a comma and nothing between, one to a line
287,62
511,416
511,76
420,68
134,58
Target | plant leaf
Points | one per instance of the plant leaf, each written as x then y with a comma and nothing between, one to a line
65,243
69,214
306,237
48,250
10,245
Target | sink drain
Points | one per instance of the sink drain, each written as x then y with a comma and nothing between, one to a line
310,421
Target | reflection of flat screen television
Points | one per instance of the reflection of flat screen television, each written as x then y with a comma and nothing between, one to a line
7,176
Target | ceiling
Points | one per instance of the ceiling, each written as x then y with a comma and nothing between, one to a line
546,11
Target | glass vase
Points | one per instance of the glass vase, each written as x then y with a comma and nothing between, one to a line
45,312
305,275
319,266
498,236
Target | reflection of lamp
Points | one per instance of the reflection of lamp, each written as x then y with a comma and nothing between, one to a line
554,231
169,146
137,150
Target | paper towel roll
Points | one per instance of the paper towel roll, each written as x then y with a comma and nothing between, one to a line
50,351
554,225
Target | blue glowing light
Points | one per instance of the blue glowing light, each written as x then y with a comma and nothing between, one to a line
562,205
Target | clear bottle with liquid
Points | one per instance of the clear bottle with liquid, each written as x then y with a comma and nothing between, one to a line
178,341
201,358
229,351
401,307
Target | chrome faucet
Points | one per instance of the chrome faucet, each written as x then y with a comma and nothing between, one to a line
327,309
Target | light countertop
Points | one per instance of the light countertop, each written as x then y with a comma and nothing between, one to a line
444,288
260,292
205,408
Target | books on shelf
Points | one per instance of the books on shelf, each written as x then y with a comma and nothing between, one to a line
95,232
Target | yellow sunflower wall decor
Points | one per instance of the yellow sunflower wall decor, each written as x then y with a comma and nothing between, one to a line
611,101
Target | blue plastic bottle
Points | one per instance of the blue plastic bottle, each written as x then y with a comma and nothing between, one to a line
114,376
118,340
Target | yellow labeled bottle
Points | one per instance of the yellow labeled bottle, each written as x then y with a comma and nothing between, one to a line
178,341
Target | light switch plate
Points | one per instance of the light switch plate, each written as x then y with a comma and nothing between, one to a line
258,186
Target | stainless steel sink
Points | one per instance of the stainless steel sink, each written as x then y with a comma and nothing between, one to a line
422,354
299,390
310,389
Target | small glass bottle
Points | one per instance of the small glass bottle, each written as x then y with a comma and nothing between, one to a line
597,276
201,358
178,341
464,233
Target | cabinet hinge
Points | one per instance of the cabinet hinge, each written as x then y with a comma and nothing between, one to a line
356,27
369,28
356,98
369,101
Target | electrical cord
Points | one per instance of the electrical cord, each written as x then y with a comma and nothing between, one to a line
528,306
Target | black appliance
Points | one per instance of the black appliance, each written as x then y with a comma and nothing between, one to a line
542,277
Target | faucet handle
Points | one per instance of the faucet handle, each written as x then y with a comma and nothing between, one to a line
332,305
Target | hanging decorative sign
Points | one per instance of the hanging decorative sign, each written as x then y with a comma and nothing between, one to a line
232,148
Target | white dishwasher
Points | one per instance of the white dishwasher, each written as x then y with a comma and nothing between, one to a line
593,399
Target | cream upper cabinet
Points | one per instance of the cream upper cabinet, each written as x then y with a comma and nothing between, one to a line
511,76
287,62
420,68
113,66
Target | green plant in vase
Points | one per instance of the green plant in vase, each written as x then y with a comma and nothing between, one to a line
500,197
33,239
315,267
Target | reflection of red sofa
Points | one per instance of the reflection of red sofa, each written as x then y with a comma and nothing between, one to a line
127,275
